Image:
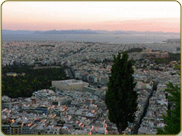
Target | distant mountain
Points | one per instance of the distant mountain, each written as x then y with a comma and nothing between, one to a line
17,32
134,32
87,31
66,32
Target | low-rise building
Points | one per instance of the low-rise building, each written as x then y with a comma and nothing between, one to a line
71,84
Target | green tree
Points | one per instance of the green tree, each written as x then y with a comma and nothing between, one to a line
34,79
172,119
176,66
121,99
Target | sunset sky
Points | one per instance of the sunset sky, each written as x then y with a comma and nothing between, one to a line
127,16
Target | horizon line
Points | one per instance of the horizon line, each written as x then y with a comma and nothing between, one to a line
88,29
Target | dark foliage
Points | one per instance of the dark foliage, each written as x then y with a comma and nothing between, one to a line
121,99
134,50
34,79
172,119
172,57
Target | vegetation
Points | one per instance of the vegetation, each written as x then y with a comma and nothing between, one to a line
172,57
6,122
172,119
178,48
177,66
33,80
61,122
121,99
134,50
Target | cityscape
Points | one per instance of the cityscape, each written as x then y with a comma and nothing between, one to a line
79,101
53,86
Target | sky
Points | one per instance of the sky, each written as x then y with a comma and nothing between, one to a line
118,15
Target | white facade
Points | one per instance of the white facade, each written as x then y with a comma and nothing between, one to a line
71,84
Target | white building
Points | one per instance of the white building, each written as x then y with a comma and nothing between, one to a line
71,84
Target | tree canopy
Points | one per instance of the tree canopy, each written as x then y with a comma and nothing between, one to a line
172,120
33,80
121,99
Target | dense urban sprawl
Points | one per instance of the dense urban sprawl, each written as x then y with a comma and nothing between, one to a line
76,106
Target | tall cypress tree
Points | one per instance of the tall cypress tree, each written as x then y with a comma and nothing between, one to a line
121,99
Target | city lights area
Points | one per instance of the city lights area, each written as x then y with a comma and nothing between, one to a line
63,87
